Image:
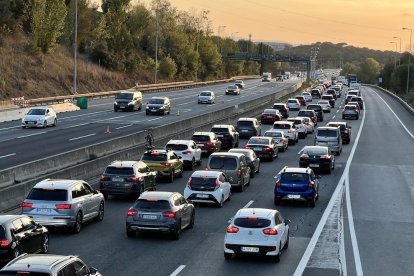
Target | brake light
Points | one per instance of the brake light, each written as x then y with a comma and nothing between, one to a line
277,184
168,214
187,152
135,179
304,155
267,149
324,156
310,185
346,131
27,204
63,206
166,164
270,231
4,243
104,177
232,229
132,213
247,147
217,183
209,143
238,172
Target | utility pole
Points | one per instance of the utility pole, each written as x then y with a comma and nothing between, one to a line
75,49
156,45
409,59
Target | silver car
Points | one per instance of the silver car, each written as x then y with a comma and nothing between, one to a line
64,203
207,97
252,160
279,138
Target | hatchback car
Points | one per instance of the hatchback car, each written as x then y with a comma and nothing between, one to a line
289,129
318,110
252,160
296,184
293,104
329,98
248,127
264,147
283,109
227,134
350,111
307,96
67,203
317,158
300,126
128,101
39,117
310,126
233,89
48,265
166,163
158,105
326,106
345,130
329,137
279,138
316,94
269,116
187,150
331,92
160,212
257,231
20,234
207,142
359,100
127,178
207,97
208,186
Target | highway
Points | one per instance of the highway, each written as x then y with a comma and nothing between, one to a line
86,127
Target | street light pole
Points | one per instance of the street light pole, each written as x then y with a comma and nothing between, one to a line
156,45
409,58
395,59
399,60
75,48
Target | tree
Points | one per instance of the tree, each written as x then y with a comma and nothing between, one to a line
168,68
48,21
349,68
369,70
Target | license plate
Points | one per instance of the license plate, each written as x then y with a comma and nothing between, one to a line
256,148
202,196
314,165
294,196
118,179
200,145
219,135
149,217
44,210
122,107
244,130
153,110
250,249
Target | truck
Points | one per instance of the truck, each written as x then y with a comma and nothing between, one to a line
266,76
352,78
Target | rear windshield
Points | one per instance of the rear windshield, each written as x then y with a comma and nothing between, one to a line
205,94
219,130
315,92
48,194
325,97
294,177
152,204
119,170
258,141
305,113
203,182
281,126
323,102
314,107
245,153
154,156
272,134
278,106
341,126
292,101
327,133
124,96
244,123
201,138
252,222
36,112
269,111
176,147
350,107
313,151
2,233
223,163
156,101
355,99
22,272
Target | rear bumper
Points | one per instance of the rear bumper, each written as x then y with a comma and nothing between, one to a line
269,249
155,228
56,221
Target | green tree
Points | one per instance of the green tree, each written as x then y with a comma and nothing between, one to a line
210,58
167,67
369,70
349,68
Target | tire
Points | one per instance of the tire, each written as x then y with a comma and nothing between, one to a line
312,203
241,188
45,244
276,258
177,233
171,177
198,163
252,173
192,165
130,234
237,144
191,225
228,256
333,166
101,212
286,246
16,253
140,107
115,110
329,170
221,203
55,123
78,223
229,198
45,124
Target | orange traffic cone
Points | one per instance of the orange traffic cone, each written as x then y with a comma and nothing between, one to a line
107,130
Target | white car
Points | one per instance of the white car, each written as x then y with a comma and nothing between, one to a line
279,138
187,150
39,117
326,106
289,129
207,97
208,186
257,231
310,126
239,83
307,96
300,125
293,104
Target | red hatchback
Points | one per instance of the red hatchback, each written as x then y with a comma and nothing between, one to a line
269,116
207,142
301,100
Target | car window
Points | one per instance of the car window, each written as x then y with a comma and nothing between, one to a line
154,156
223,163
252,222
28,223
244,123
48,194
152,204
315,151
124,96
119,170
294,177
18,226
2,233
201,181
182,200
280,218
78,191
88,190
281,126
201,138
258,141
273,134
220,130
327,133
173,156
178,147
36,111
156,101
80,269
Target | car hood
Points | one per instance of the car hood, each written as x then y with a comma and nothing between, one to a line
33,117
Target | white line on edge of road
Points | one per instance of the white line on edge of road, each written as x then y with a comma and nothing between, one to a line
7,155
6,128
123,126
301,150
312,243
24,136
178,270
248,204
80,137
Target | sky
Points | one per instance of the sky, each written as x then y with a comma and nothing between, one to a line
361,23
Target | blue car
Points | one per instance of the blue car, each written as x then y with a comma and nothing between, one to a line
296,184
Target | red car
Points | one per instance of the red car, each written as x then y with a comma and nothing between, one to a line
269,116
301,100
207,142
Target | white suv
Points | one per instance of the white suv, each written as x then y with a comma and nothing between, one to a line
289,129
257,231
208,186
300,125
293,104
187,150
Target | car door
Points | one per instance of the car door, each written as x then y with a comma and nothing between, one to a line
197,151
225,186
235,134
32,235
176,162
245,169
23,240
82,200
92,200
281,228
186,210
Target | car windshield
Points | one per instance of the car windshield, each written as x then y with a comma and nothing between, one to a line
244,123
48,194
124,96
201,138
327,97
36,111
176,147
219,130
156,101
206,182
252,222
154,156
205,94
232,87
315,151
238,81
258,141
327,133
281,126
119,170
2,233
305,113
294,177
272,134
223,163
152,204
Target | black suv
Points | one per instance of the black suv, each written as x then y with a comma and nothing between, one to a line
127,178
283,109
311,114
318,110
227,134
359,100
20,234
248,127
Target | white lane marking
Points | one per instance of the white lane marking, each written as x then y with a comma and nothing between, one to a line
123,126
338,110
91,105
116,117
24,136
301,150
154,119
184,103
311,246
406,129
342,255
333,116
248,204
7,155
78,125
80,137
6,128
178,270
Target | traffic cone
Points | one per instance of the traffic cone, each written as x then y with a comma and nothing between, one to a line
178,113
107,130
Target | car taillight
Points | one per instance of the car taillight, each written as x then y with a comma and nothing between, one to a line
132,213
270,231
27,204
232,229
310,185
304,155
324,156
63,206
238,172
291,131
277,184
166,164
346,131
135,179
4,243
247,147
168,214
103,177
267,149
209,143
187,152
217,183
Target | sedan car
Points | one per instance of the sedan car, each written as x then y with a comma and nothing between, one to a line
300,126
326,106
317,158
293,104
186,150
263,147
307,96
39,117
252,160
160,212
269,116
350,111
208,186
233,89
158,105
257,231
279,138
207,97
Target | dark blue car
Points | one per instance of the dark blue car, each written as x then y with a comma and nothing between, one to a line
296,184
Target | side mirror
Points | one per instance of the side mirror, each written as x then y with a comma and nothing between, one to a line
287,221
92,271
95,192
180,157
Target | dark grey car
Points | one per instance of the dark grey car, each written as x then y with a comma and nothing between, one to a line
252,160
158,105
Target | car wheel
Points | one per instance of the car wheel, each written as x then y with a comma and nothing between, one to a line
312,203
229,198
177,233
191,225
237,144
45,124
252,173
241,188
101,212
198,163
271,156
171,177
146,113
181,172
16,253
130,234
357,117
45,243
221,203
333,165
329,170
258,169
286,246
297,140
192,164
228,256
55,122
276,258
78,223
115,109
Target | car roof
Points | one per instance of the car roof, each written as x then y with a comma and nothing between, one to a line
7,218
161,98
157,195
185,142
315,147
337,123
231,154
247,119
328,127
283,122
36,262
294,170
41,107
238,81
203,133
221,126
209,91
279,104
122,163
161,151
237,150
203,173
260,212
261,137
57,183
275,130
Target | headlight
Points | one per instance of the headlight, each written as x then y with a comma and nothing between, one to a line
40,119
115,103
162,107
147,107
130,103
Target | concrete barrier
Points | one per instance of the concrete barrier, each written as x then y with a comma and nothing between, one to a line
90,161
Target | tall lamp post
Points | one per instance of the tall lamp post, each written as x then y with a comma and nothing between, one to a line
75,49
395,59
399,60
409,58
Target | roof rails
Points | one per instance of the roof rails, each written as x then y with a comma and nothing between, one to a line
16,259
62,260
